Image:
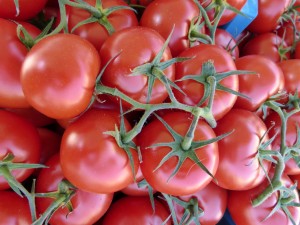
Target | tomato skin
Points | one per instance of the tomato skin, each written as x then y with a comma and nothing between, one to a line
266,44
190,177
137,211
243,213
95,32
223,101
238,168
164,15
212,200
269,12
23,143
84,210
28,9
14,209
104,166
13,53
268,81
225,40
137,46
62,91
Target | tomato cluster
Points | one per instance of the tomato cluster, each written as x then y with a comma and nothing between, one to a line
148,112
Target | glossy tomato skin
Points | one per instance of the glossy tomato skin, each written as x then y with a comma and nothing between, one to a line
104,166
274,123
225,40
223,62
190,177
269,12
135,46
268,45
60,83
164,15
239,169
268,81
13,53
87,207
137,211
243,213
212,200
14,209
20,138
28,9
95,32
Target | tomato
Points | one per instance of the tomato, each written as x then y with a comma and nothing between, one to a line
27,9
269,45
59,74
267,81
87,207
12,56
239,168
95,32
286,31
297,51
228,14
104,166
243,213
190,177
273,121
21,139
139,2
135,46
212,200
296,178
137,211
164,15
14,209
223,62
269,13
225,40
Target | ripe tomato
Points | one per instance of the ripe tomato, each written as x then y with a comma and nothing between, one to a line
267,44
58,75
225,40
21,139
239,168
137,211
95,32
164,15
267,81
243,213
14,209
223,62
190,177
12,55
27,9
212,200
137,46
87,207
104,166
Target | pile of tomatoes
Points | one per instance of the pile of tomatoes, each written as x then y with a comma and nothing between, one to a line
148,112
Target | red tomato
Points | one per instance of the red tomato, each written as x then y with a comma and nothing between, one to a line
223,62
20,138
190,177
137,46
243,213
286,31
12,55
297,51
269,13
95,32
60,83
273,121
225,40
140,2
164,15
267,81
104,166
27,9
269,45
212,200
239,168
14,209
137,211
87,207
